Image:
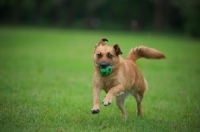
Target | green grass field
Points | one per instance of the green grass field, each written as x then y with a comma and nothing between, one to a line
46,75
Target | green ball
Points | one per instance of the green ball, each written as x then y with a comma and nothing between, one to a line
105,71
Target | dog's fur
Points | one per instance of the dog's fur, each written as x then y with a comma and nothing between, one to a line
125,78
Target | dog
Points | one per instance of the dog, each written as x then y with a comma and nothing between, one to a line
125,77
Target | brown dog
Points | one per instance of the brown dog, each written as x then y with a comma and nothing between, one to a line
125,77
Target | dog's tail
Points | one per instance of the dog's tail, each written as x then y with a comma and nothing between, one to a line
144,52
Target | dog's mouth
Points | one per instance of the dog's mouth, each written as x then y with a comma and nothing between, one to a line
105,69
103,65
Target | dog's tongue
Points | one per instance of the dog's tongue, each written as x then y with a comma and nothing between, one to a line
105,71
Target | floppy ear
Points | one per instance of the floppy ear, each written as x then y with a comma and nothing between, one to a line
117,49
102,42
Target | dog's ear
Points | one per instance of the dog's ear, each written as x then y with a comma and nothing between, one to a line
117,49
101,42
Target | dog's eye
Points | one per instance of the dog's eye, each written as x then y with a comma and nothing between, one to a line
109,55
99,55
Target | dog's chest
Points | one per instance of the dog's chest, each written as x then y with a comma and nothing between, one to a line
107,84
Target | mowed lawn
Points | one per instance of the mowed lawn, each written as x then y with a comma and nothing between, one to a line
46,82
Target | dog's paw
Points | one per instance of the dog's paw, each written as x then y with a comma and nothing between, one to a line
95,111
106,103
107,100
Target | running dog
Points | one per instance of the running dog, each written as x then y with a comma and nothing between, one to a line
125,77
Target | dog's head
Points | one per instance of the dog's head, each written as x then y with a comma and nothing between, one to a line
104,55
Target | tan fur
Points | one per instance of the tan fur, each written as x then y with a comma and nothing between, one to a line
125,78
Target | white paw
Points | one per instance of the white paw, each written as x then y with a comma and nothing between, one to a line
106,103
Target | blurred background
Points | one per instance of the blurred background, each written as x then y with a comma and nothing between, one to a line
181,16
46,63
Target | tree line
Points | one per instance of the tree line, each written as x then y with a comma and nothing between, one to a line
137,15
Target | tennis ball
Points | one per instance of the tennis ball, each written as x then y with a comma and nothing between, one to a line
105,71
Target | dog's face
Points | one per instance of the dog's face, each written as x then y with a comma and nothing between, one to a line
106,55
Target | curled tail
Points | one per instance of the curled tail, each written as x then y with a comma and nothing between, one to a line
144,52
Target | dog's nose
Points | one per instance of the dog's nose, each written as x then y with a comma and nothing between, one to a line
103,65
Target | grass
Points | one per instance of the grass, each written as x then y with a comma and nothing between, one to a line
46,75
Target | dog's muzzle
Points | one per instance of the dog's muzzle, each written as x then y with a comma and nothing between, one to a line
103,65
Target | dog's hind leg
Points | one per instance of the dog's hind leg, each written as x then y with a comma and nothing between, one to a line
138,97
120,103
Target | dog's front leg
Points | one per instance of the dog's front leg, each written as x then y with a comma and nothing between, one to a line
117,90
96,96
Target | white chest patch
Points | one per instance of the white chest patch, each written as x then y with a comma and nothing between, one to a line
131,91
119,94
